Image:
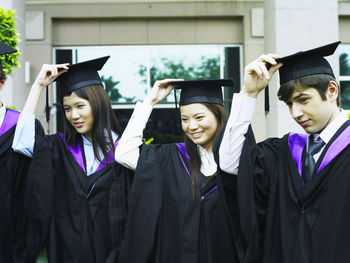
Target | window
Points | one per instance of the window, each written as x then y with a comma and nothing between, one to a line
344,68
132,70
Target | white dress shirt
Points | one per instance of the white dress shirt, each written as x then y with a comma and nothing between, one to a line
127,151
240,117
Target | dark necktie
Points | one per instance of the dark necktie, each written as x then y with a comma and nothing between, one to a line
309,163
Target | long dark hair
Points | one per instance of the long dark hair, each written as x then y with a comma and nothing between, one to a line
192,150
105,122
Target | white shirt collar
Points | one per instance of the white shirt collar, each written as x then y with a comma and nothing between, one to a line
208,166
328,132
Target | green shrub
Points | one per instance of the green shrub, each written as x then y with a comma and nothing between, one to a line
9,36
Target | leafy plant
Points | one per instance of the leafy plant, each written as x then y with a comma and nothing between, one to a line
9,36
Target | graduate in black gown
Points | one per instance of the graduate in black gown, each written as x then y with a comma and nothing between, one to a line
178,210
294,189
77,200
13,169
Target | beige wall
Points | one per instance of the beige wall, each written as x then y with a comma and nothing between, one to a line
147,31
117,22
344,29
76,23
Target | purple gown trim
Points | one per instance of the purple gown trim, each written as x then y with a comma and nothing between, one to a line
182,149
296,144
211,190
336,147
10,120
111,156
76,152
78,155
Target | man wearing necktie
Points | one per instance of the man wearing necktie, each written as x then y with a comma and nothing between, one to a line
293,192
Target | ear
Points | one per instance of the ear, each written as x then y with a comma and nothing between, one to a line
332,92
2,83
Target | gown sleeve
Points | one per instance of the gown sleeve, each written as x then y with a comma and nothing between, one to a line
38,198
127,151
20,203
258,167
144,207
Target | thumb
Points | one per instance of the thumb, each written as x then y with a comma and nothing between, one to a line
274,68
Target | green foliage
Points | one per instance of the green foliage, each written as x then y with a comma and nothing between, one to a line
9,36
112,90
12,108
149,141
158,137
344,64
208,68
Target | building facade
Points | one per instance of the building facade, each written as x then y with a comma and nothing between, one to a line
209,38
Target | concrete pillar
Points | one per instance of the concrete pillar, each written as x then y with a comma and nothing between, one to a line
291,26
14,92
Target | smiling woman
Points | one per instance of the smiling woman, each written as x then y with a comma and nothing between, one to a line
177,188
78,209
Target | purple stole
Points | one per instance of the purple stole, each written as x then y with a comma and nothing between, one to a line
78,155
297,143
10,120
182,151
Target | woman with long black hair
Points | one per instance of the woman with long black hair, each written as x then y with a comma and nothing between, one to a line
179,207
77,199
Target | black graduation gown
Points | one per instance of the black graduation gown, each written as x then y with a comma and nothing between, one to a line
79,218
299,223
13,169
165,224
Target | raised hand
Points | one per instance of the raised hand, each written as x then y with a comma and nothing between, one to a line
46,76
49,73
161,89
257,74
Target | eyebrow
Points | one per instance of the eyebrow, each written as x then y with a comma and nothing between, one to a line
298,96
66,105
183,115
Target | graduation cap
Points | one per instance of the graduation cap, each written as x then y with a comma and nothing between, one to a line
304,63
5,49
202,90
78,76
81,75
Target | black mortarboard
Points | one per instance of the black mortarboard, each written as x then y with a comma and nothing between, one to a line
5,49
202,90
305,63
81,75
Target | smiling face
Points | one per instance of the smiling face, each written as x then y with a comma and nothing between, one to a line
310,111
79,114
199,124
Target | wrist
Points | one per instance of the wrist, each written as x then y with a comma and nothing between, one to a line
250,94
150,101
36,86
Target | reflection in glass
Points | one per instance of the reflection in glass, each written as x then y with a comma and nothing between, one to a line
132,70
345,94
344,64
163,125
120,73
344,59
